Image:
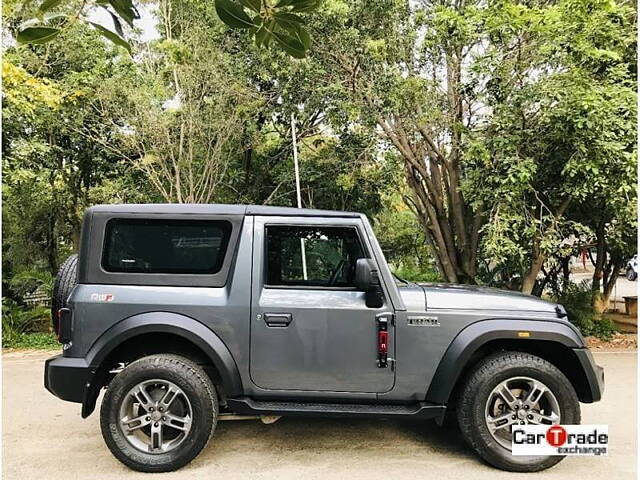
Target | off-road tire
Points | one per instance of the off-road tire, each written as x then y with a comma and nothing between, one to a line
64,283
475,393
195,383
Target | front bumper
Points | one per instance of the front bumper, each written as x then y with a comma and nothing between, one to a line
67,378
594,374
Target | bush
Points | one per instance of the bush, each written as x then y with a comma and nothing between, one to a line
30,280
18,321
414,273
578,300
40,341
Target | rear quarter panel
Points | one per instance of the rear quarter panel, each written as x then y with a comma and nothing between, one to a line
225,310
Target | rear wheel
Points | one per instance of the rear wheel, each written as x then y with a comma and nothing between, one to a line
159,413
514,388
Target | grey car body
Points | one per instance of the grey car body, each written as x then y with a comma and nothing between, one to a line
277,350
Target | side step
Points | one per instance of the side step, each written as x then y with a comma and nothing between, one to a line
248,406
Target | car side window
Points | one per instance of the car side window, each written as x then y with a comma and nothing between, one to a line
165,246
312,256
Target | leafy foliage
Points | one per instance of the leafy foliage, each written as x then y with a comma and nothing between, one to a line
18,322
488,142
36,341
30,280
577,299
269,22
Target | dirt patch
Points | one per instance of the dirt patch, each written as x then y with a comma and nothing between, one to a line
620,341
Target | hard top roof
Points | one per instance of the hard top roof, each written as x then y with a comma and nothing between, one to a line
218,209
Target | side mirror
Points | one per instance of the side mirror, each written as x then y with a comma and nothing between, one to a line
367,280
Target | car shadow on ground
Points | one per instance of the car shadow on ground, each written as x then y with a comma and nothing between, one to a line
324,436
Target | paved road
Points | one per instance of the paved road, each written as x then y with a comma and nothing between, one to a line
623,288
45,438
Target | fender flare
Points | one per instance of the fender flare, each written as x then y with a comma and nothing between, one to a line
162,322
474,336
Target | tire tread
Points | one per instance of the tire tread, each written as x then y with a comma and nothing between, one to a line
177,365
484,372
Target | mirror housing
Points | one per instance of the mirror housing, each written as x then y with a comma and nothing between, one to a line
367,280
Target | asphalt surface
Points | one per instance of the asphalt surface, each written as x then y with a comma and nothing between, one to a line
623,288
45,438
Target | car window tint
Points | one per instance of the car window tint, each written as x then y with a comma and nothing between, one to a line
165,246
312,256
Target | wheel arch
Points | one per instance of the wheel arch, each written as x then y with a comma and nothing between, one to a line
552,341
159,332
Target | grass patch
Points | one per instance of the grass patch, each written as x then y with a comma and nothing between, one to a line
35,341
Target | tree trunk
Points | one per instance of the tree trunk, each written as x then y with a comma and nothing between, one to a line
612,273
52,246
529,280
600,260
565,269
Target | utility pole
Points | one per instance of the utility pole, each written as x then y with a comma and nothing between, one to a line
299,197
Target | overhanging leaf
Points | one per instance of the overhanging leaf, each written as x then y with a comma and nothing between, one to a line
117,24
111,36
265,33
252,4
290,17
262,37
233,14
290,27
36,35
49,4
125,9
292,46
304,38
305,5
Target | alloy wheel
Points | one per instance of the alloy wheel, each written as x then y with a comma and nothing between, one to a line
155,416
519,401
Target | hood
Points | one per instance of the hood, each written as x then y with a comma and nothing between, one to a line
468,297
419,297
413,296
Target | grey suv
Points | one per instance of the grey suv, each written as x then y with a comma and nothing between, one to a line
184,313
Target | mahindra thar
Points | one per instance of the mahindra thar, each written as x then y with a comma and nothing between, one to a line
186,313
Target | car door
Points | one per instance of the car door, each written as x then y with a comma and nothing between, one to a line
310,327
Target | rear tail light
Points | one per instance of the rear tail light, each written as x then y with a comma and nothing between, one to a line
64,325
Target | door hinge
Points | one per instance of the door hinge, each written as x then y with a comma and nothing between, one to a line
383,320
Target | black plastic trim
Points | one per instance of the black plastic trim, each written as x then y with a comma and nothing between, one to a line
75,380
594,374
248,406
66,377
181,325
471,338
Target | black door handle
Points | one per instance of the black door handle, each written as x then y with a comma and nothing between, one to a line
277,319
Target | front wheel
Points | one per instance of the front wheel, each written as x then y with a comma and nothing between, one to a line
159,413
514,388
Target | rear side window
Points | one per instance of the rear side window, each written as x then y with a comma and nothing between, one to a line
165,246
312,256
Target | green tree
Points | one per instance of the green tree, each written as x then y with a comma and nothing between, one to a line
560,140
478,99
51,161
